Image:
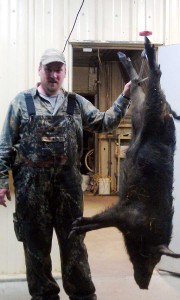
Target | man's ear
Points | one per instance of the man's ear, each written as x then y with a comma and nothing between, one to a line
65,70
39,68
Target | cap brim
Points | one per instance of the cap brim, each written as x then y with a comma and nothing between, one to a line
50,60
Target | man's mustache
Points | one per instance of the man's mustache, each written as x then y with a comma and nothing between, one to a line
52,81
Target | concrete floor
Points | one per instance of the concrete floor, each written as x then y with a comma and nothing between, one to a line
110,267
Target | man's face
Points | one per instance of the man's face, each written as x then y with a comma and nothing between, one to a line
52,76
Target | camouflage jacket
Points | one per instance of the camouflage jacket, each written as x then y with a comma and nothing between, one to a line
86,115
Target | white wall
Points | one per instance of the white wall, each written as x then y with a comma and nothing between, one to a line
30,26
169,59
27,27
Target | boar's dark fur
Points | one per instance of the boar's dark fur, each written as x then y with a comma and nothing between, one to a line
145,210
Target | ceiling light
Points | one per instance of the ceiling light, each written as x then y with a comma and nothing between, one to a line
87,49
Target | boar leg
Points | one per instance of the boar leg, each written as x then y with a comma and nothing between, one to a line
101,220
127,64
137,93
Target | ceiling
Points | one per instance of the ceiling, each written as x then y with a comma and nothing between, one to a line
83,58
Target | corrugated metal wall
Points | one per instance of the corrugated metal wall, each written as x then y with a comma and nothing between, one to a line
27,27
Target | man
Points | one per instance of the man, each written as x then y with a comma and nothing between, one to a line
41,142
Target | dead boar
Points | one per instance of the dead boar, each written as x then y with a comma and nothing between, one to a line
144,211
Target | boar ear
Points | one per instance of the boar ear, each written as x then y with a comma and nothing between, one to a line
164,250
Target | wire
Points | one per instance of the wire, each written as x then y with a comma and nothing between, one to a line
73,25
100,62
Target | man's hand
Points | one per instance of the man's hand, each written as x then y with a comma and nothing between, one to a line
127,88
4,193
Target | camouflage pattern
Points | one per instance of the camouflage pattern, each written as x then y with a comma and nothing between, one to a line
85,116
49,141
47,199
44,152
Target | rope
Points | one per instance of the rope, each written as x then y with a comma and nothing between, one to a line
73,25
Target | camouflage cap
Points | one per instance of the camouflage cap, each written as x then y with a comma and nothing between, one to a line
52,55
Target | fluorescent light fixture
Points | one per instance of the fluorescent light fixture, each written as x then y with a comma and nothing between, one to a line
87,49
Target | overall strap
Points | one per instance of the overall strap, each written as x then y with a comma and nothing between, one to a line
71,103
30,104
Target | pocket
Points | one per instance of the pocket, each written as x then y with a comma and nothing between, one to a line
18,228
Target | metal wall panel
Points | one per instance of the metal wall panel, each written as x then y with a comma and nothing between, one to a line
27,27
172,22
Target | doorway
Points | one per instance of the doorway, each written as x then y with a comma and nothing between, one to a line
98,76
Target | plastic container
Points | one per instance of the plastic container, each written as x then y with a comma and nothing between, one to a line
104,186
85,182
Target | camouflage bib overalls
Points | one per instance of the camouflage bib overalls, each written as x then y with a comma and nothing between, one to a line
48,195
